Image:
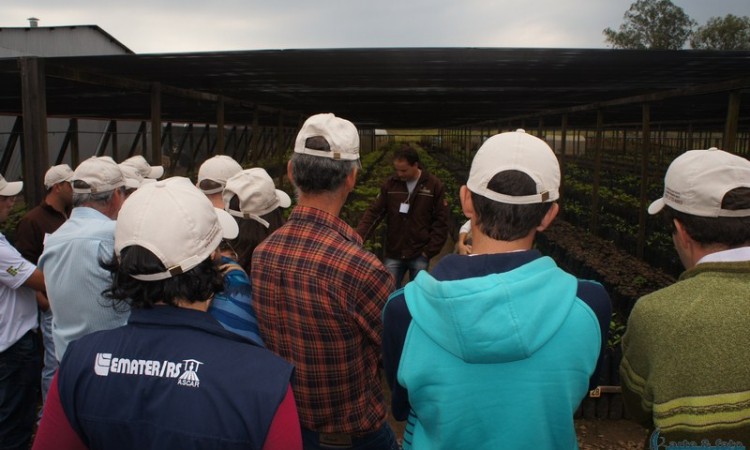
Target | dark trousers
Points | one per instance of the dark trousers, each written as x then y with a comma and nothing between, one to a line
382,439
20,368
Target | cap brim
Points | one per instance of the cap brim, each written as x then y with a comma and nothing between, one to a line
284,200
229,227
156,172
656,206
12,189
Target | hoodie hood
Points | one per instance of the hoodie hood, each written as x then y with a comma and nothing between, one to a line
496,318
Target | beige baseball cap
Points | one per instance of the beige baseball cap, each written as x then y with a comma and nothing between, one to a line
218,169
133,179
10,189
697,180
57,174
341,135
145,169
176,222
256,193
102,174
516,150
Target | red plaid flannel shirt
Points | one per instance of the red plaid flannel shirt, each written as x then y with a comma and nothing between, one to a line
319,296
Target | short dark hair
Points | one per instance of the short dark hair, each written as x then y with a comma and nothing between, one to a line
208,185
406,153
503,221
729,231
196,285
252,233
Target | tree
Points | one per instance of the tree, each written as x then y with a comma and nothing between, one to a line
723,33
652,24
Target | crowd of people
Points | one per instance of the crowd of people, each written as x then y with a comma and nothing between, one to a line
181,314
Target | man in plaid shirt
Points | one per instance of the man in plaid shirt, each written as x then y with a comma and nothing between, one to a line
319,296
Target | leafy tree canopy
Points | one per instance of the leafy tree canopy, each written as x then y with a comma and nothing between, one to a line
723,33
652,24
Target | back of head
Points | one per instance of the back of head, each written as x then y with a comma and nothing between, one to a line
514,179
95,180
214,173
708,191
325,152
165,235
253,199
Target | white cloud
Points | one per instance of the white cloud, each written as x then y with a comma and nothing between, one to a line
161,26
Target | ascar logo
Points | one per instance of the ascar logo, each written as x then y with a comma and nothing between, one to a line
106,365
190,376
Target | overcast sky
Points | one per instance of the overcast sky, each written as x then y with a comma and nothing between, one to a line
161,26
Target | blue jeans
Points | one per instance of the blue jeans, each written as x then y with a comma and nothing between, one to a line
50,361
383,439
398,267
19,392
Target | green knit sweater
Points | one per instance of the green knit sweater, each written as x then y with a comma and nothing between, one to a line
686,356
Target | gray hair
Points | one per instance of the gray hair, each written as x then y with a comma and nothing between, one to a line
316,175
99,199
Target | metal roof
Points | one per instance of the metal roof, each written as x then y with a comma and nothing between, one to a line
394,87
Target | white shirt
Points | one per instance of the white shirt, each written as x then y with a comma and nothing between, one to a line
18,311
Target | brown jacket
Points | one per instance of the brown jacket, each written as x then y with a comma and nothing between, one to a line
423,230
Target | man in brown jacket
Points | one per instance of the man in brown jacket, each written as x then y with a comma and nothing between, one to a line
416,214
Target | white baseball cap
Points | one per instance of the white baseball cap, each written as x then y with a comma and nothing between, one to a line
516,150
218,169
143,167
10,189
133,179
176,222
102,174
697,181
256,193
341,135
57,174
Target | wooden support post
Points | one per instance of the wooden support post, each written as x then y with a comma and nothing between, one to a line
733,118
563,149
155,125
597,172
279,135
220,146
645,152
255,138
35,156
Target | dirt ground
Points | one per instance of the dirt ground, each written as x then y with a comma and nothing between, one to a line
593,434
610,434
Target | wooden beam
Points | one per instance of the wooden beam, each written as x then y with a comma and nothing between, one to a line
724,86
597,172
35,157
645,152
82,76
155,125
733,118
220,150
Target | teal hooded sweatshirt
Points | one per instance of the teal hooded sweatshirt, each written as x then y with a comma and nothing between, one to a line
499,361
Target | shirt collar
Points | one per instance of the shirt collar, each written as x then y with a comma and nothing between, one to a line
731,255
173,316
323,218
